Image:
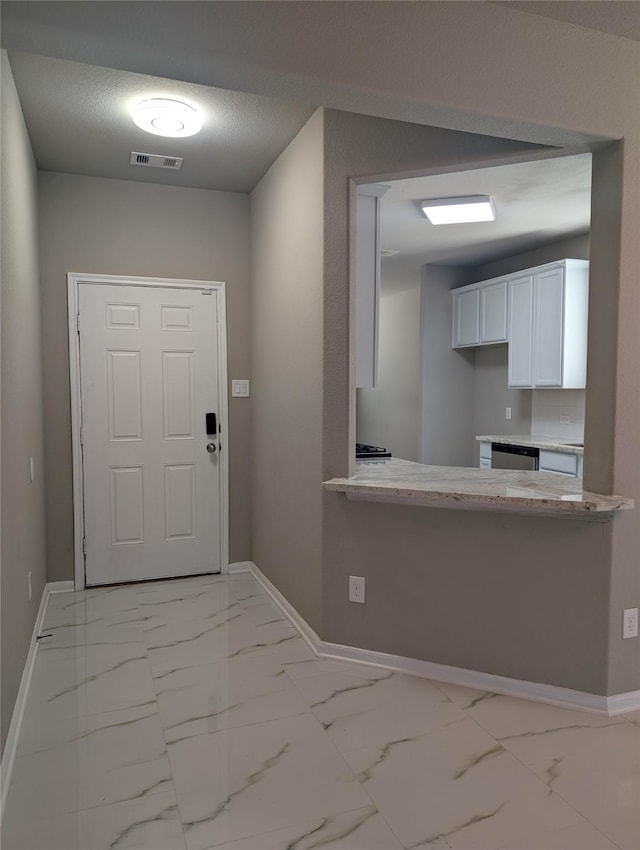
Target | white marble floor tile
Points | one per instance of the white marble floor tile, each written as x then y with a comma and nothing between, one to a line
150,824
70,763
316,666
194,643
90,680
160,608
455,787
240,782
362,829
245,690
227,636
91,606
504,716
596,769
581,836
370,712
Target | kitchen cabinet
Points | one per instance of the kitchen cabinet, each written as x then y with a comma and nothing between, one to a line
562,463
542,314
548,311
367,283
480,314
466,317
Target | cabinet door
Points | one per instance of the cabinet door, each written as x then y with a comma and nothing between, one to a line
466,318
548,326
520,331
493,312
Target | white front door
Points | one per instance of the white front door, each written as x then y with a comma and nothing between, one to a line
151,472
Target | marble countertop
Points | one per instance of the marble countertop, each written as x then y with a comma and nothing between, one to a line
536,441
395,480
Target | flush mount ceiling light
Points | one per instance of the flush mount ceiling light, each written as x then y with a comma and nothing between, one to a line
459,210
167,118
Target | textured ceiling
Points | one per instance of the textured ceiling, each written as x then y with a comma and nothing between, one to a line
79,121
536,203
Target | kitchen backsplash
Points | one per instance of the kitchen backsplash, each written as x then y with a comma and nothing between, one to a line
547,408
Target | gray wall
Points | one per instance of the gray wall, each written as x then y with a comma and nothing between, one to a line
447,374
287,263
491,396
574,247
119,227
510,579
389,414
23,529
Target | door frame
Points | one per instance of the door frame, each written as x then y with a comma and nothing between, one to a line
74,279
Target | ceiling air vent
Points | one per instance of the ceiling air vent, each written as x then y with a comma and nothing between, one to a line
152,160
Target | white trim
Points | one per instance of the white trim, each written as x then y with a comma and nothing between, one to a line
11,744
609,706
60,586
241,567
286,607
73,280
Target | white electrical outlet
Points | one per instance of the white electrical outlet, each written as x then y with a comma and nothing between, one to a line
29,584
629,623
507,413
565,420
356,589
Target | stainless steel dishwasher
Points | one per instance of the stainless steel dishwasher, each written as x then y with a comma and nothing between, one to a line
514,457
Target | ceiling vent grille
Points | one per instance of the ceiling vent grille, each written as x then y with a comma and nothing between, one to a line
152,160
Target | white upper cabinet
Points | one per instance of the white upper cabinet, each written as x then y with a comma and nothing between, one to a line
493,312
480,314
466,317
367,283
520,331
542,314
548,312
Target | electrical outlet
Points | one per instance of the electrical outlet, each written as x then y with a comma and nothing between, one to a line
29,584
565,420
356,589
629,623
507,413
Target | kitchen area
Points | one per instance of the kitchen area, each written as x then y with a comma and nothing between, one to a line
471,341
482,348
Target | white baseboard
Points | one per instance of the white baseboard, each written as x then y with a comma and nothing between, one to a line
60,586
608,706
240,567
11,744
286,607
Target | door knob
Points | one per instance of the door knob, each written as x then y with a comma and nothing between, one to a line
211,447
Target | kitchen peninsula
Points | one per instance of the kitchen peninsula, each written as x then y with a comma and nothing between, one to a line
541,493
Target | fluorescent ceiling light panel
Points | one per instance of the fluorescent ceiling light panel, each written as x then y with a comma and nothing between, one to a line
459,210
164,117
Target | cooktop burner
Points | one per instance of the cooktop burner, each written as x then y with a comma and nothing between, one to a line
364,451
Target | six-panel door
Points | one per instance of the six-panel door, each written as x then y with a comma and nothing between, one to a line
149,374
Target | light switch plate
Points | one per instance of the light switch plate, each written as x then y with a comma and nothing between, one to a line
239,388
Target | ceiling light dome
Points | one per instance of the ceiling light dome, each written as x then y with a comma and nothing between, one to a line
167,118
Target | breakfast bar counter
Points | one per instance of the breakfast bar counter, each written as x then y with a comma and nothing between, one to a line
541,493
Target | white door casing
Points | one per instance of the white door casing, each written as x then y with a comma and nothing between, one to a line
149,361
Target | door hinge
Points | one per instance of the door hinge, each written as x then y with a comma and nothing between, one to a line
84,545
78,322
81,436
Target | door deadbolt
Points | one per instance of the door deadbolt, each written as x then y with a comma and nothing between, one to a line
211,447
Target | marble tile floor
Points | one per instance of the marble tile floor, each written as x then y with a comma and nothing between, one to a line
190,715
